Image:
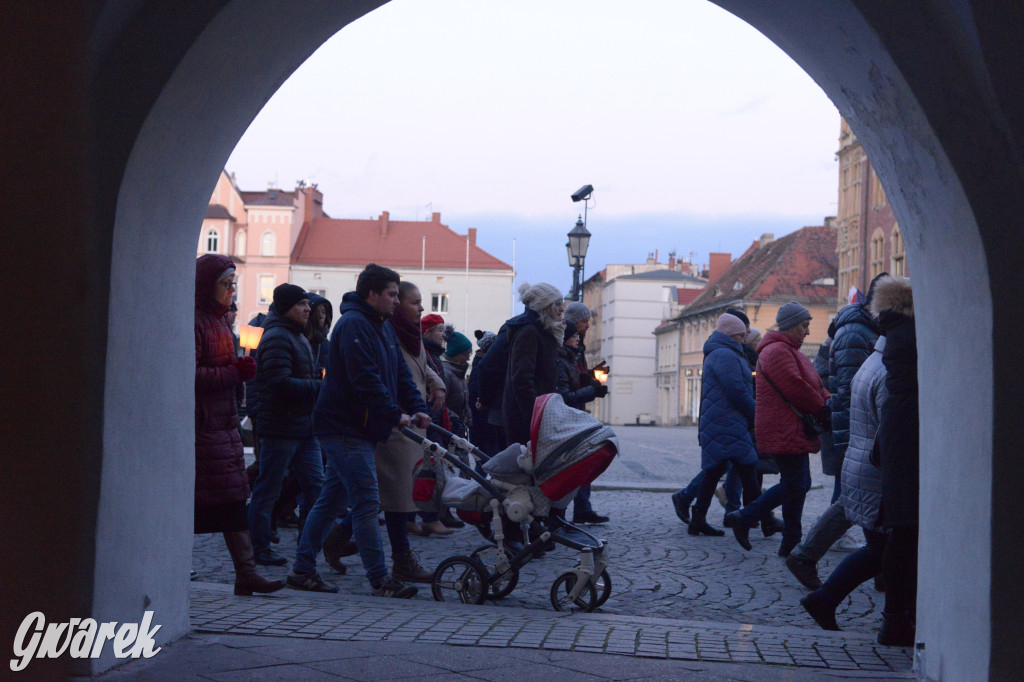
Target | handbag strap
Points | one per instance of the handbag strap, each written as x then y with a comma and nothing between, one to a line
760,372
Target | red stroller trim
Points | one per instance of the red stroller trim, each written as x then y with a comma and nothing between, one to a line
538,413
579,474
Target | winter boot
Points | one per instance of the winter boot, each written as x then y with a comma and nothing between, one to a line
408,569
337,544
247,580
450,521
681,503
699,526
823,614
771,525
897,630
804,570
740,529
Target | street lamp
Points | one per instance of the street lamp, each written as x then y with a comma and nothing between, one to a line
576,247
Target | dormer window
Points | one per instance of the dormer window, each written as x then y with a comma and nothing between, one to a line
738,286
824,282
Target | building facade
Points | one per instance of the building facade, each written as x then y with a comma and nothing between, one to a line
869,241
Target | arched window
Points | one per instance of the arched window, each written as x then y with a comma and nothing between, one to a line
240,244
899,255
212,241
877,252
268,244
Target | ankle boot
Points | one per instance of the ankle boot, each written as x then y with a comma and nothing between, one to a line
337,544
436,528
699,526
897,630
407,569
247,580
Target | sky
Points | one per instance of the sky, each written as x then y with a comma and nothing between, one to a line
697,133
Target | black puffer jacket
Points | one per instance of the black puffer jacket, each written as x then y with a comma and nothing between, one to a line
532,372
854,340
285,375
575,388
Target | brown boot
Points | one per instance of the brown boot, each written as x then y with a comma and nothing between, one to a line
247,580
337,544
408,569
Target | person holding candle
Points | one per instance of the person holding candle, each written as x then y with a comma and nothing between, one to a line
288,391
221,486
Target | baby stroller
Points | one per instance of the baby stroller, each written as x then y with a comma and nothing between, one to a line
520,485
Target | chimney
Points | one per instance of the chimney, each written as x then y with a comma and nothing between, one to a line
472,236
719,263
435,217
314,203
672,261
385,223
767,238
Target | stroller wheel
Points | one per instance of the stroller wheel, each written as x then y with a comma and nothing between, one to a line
561,594
603,587
460,578
503,586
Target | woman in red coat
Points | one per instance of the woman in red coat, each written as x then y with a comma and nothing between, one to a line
786,382
221,484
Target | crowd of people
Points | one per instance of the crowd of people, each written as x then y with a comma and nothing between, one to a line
325,404
765,408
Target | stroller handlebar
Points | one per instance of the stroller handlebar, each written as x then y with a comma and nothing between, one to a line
434,430
417,438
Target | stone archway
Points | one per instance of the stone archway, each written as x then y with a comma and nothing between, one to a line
145,126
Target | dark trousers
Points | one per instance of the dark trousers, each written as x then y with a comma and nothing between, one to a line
747,474
858,567
899,568
790,492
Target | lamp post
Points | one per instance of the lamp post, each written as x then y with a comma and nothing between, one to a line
579,240
576,247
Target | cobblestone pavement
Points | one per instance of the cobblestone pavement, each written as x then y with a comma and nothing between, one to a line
657,570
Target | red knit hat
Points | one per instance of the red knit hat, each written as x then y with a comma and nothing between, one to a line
430,321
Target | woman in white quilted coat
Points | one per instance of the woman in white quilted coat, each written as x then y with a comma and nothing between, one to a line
861,495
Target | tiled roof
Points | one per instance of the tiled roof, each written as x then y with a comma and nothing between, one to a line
781,270
340,241
666,325
271,197
218,212
687,296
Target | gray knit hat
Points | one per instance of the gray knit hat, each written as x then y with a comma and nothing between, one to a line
575,312
730,324
790,315
539,296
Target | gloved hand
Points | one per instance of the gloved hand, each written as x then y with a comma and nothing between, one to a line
600,390
601,367
246,368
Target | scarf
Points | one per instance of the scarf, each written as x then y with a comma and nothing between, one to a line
408,332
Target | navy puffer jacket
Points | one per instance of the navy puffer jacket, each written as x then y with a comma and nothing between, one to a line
286,379
726,405
368,384
856,333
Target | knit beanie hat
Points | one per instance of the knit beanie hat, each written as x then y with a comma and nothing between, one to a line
457,345
484,339
790,315
430,321
740,314
539,296
753,336
286,295
570,331
730,324
576,312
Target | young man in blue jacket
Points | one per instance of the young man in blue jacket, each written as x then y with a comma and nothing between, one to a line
367,392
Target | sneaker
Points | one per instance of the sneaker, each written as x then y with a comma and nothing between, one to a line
268,557
682,506
311,582
804,570
389,587
589,517
720,496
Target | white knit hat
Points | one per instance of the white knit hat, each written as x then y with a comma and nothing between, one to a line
539,296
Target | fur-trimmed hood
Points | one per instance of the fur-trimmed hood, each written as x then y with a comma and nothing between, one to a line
893,295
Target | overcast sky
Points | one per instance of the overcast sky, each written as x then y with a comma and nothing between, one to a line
697,133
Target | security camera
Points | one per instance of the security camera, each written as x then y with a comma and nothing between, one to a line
583,193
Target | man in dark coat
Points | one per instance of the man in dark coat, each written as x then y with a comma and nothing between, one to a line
534,339
288,391
367,392
898,449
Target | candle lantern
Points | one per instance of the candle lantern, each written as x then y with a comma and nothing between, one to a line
249,336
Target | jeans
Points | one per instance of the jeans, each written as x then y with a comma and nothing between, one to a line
790,492
276,456
733,488
744,472
858,567
351,479
829,528
581,503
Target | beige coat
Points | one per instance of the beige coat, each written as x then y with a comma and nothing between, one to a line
397,456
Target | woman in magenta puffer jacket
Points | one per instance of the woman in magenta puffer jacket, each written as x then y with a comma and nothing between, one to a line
221,484
784,374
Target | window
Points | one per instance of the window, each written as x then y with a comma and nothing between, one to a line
268,244
877,253
267,284
899,256
439,303
877,193
212,241
240,244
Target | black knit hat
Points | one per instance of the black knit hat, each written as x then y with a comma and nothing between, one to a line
570,331
286,295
